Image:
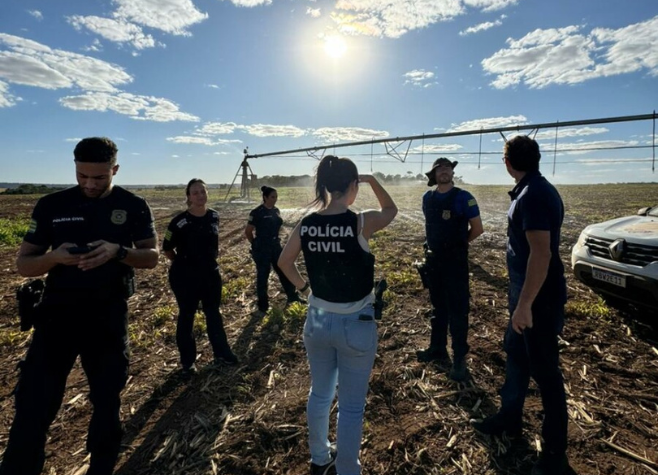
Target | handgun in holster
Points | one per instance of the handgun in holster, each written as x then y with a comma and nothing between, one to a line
425,267
29,296
380,287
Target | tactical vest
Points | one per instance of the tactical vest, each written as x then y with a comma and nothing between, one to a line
339,269
445,230
267,223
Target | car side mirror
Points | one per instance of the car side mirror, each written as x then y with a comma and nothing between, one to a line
643,211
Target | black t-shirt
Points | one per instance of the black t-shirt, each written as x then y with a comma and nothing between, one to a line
195,238
69,216
267,222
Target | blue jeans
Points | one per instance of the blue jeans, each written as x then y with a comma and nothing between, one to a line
341,351
535,354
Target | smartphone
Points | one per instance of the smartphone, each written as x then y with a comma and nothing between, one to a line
80,249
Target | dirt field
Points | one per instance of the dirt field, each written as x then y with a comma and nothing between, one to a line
250,419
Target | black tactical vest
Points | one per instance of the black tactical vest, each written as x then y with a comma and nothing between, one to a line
445,230
339,269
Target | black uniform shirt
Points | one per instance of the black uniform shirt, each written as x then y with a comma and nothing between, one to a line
69,216
195,238
267,222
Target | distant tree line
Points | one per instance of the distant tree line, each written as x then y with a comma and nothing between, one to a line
30,189
307,180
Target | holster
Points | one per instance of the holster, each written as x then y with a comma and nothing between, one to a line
380,287
128,285
29,296
424,269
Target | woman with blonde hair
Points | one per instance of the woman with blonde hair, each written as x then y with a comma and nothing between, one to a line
192,245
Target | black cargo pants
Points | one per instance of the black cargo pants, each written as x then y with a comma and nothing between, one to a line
191,285
450,296
266,257
97,331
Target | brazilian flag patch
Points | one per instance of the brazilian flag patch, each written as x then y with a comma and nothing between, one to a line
168,235
472,202
33,226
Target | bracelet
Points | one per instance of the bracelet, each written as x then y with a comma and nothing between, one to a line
305,288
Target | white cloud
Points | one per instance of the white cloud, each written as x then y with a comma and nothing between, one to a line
136,107
186,139
598,161
189,139
393,18
118,31
490,5
568,56
480,27
216,128
213,86
419,78
570,132
170,16
250,3
327,134
266,130
36,14
489,123
7,99
437,148
575,148
348,134
30,63
95,46
314,12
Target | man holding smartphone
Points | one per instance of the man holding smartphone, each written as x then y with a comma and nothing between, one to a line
87,239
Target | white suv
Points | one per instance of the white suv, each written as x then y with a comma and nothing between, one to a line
620,257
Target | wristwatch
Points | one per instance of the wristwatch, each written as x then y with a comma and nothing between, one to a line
122,253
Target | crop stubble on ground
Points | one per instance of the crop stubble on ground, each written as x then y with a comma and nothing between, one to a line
250,419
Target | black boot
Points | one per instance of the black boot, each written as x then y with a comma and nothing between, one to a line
459,371
498,424
433,353
551,463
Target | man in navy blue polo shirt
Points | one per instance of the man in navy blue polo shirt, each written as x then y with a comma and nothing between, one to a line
537,294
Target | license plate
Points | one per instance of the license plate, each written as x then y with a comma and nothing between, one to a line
610,277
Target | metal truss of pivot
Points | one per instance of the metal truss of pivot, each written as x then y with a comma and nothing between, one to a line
246,182
392,144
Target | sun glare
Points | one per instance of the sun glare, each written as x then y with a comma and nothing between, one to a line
335,46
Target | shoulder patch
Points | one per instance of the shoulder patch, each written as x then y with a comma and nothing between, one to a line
167,236
251,218
472,202
181,223
33,226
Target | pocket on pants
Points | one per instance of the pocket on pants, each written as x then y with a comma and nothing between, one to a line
361,335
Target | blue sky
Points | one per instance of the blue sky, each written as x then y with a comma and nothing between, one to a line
184,86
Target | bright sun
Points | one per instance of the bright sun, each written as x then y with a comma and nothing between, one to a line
335,46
